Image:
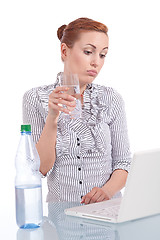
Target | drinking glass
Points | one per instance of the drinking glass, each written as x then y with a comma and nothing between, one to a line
72,82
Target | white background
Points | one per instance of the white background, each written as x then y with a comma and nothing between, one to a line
30,57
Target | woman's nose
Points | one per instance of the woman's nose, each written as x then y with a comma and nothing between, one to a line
95,61
94,64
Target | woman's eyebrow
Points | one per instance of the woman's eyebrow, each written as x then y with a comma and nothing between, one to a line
95,46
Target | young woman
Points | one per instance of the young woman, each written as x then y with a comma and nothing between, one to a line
85,159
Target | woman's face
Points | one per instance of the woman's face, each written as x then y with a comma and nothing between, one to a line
87,56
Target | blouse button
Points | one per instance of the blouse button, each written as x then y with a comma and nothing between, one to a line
78,157
79,169
78,144
80,182
77,139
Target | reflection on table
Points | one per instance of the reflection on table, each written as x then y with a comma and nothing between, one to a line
58,226
30,234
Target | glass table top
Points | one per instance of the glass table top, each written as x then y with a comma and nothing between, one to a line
58,226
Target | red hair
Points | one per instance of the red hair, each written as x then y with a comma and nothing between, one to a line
68,34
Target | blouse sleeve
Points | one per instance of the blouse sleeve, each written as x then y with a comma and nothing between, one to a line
34,114
31,113
121,155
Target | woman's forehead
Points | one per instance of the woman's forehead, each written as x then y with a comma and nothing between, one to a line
95,38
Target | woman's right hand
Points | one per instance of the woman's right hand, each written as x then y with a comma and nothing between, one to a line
57,98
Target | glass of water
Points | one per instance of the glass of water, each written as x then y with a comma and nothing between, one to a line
72,82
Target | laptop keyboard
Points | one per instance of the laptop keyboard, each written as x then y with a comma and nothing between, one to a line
111,211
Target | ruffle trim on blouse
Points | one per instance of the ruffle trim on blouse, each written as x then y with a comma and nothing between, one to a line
94,104
95,112
93,138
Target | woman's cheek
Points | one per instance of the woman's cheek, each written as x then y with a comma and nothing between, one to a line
79,59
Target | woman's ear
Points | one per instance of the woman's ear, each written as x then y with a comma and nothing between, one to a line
64,50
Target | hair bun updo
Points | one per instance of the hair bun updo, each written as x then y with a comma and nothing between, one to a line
70,33
60,31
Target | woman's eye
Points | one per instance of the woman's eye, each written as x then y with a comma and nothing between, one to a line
102,55
87,52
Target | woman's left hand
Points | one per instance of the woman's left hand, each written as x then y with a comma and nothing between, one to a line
95,195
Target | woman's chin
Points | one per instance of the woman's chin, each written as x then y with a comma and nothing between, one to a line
87,79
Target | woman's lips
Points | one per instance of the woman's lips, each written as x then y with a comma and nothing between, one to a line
92,72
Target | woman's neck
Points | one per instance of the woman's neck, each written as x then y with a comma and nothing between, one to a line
82,89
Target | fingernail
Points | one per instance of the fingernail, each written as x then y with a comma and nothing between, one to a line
74,98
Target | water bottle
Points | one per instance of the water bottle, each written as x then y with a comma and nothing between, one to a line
28,186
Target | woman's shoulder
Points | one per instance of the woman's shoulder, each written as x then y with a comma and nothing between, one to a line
39,92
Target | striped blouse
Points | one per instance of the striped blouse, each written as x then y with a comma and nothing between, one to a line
88,149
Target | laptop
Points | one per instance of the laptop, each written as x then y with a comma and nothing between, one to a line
141,197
